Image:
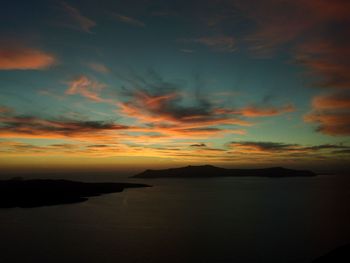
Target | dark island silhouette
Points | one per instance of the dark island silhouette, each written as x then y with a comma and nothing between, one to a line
40,192
338,255
205,171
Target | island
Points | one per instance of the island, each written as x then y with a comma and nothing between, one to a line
205,171
45,192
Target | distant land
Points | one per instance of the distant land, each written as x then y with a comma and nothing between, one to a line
35,193
205,171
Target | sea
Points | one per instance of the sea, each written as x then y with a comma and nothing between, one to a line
241,220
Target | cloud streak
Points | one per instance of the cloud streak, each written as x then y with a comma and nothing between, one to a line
98,67
129,20
81,22
218,43
274,148
254,111
33,127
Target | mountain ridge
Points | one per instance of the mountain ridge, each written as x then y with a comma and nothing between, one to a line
205,171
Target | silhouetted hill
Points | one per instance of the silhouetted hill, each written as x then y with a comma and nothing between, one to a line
213,171
33,193
338,255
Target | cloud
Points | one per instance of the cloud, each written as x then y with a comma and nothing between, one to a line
14,126
282,22
161,107
14,57
219,43
326,58
4,109
129,20
331,123
250,146
283,148
34,127
331,112
87,88
98,67
253,111
266,111
332,101
198,145
316,33
165,108
20,148
168,109
82,22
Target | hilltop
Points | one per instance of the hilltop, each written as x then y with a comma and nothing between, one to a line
213,171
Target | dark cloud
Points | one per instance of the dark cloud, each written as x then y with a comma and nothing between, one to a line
98,146
151,99
264,146
276,147
10,126
347,151
199,145
327,146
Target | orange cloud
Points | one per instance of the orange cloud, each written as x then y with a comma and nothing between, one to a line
24,58
166,114
86,87
267,111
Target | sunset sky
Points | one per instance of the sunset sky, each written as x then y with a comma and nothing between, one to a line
151,83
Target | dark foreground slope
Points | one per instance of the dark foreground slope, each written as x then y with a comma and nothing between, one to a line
213,171
338,255
33,193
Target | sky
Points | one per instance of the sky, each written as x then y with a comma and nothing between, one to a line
110,85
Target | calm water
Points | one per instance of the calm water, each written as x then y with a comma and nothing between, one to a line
187,220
